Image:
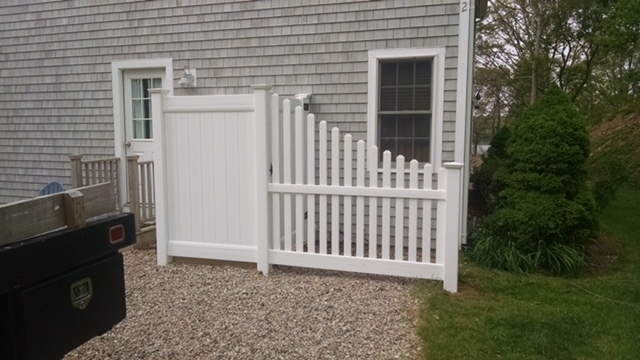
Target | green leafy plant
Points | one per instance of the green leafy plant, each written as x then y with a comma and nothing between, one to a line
544,211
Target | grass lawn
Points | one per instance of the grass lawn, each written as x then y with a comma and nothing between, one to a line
497,315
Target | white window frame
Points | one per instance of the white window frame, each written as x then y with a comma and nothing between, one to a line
437,95
117,87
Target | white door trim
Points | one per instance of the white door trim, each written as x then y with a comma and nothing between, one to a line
117,86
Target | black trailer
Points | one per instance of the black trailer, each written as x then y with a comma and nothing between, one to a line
60,289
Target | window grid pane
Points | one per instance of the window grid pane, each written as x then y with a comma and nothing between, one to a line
141,106
404,119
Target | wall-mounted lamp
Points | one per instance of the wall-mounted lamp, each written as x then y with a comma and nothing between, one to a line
188,78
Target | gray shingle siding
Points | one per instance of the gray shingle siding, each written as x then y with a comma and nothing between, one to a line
55,64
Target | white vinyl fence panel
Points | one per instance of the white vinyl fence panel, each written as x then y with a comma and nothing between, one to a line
239,178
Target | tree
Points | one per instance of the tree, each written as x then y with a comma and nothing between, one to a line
539,42
544,213
491,104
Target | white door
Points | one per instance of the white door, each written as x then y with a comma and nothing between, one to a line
138,129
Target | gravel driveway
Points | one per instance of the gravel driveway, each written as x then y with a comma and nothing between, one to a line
187,311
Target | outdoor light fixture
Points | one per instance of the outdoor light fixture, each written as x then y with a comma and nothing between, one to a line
188,78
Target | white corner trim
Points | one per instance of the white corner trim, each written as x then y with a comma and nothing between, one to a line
463,84
117,88
437,101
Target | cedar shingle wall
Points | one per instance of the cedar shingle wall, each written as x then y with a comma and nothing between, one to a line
55,64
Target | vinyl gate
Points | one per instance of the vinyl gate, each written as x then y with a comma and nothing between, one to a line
235,180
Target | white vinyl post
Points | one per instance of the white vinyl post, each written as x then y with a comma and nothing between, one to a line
452,227
162,224
262,213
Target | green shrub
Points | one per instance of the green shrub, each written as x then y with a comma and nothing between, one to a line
544,212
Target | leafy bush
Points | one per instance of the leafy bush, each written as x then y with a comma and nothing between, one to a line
544,213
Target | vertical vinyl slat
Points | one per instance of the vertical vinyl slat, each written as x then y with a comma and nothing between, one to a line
335,199
287,164
275,169
348,182
322,168
299,159
386,205
220,197
196,180
373,203
360,199
399,224
311,208
413,211
426,215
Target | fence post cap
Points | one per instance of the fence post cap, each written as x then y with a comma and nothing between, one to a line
133,157
453,165
75,157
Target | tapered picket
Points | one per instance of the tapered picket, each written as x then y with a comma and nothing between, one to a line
322,168
275,170
348,182
287,165
386,205
311,176
335,199
413,212
373,203
299,179
426,215
399,223
360,199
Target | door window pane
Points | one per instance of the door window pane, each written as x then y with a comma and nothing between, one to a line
136,88
141,106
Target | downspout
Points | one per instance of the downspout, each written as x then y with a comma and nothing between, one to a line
466,51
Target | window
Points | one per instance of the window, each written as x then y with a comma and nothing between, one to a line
405,106
404,110
141,106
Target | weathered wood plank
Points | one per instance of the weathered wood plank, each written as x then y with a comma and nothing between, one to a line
23,219
74,209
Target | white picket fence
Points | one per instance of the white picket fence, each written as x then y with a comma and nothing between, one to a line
238,179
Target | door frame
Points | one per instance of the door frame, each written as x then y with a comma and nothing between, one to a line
117,85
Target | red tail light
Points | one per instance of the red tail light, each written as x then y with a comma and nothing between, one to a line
116,234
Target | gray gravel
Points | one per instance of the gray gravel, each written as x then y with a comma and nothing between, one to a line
188,311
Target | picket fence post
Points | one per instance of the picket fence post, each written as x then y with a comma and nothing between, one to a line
133,182
452,181
262,213
162,224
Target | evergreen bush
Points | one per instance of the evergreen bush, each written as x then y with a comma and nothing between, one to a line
544,213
